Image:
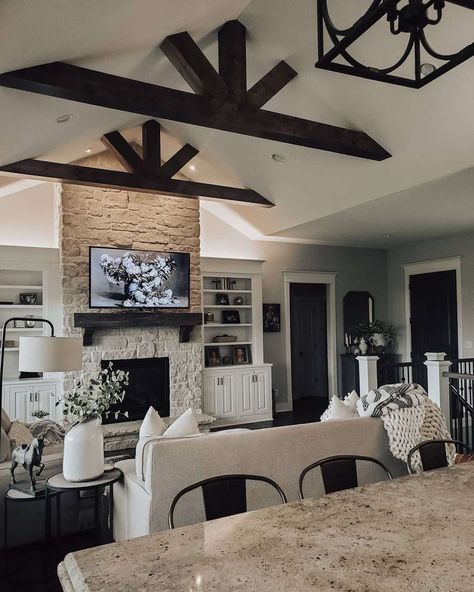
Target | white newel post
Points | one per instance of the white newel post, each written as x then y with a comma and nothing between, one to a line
438,385
367,373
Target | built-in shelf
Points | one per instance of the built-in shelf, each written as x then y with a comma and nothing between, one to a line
12,349
21,306
225,306
92,321
25,330
224,343
228,325
209,291
18,287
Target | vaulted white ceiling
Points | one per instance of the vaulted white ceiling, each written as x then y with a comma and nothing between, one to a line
429,132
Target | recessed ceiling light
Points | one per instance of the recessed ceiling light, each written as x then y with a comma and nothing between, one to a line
427,69
88,150
279,158
386,235
192,167
64,118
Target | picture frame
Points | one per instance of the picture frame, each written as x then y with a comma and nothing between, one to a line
231,317
28,298
241,355
213,357
271,318
19,324
222,299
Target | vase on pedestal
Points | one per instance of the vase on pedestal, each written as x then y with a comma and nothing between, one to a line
84,451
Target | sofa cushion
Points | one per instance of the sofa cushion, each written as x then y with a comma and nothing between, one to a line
339,409
19,433
185,425
6,422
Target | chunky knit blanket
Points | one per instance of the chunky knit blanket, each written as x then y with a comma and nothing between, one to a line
409,417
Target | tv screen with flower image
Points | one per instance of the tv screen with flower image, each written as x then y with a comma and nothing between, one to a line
129,278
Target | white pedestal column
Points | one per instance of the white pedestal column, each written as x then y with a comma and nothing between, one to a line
367,373
438,385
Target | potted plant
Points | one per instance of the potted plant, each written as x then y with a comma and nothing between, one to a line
84,408
378,333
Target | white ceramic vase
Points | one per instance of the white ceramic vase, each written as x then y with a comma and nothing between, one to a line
363,346
84,451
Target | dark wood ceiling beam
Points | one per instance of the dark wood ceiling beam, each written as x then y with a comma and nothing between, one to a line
82,175
115,92
123,151
271,84
178,161
233,59
183,52
151,145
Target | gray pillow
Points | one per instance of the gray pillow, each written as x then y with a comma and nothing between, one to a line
6,423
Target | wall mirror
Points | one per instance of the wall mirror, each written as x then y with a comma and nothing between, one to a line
358,307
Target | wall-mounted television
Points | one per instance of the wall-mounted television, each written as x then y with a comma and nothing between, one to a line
131,278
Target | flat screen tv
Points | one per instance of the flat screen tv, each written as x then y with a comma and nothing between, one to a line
129,278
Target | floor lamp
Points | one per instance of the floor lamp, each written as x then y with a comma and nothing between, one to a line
43,354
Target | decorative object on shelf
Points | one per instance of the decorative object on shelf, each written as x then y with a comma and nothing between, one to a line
271,318
84,442
42,354
28,298
242,354
213,356
30,323
227,361
222,299
410,21
20,323
238,300
6,302
217,283
230,284
225,338
148,279
9,343
208,317
363,346
28,456
231,317
379,334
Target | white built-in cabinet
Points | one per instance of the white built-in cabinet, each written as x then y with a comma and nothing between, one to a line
233,392
20,399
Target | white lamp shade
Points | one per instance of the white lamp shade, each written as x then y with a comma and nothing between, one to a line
50,354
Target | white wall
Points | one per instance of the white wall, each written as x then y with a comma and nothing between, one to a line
463,246
27,217
357,269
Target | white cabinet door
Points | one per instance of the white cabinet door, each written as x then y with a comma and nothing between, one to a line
226,396
245,393
210,384
45,399
22,402
262,391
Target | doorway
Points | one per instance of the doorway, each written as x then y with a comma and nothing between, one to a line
434,314
309,345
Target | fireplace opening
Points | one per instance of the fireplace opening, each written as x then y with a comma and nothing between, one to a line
149,385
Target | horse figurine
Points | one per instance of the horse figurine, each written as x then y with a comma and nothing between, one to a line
29,456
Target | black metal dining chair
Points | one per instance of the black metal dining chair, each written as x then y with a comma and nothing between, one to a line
433,454
224,495
338,472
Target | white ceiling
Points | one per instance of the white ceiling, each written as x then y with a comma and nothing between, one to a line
318,195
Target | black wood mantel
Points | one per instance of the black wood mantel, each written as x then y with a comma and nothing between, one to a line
92,321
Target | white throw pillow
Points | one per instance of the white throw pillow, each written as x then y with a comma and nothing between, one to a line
185,425
152,424
351,400
338,410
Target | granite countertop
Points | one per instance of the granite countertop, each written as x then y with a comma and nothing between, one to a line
412,534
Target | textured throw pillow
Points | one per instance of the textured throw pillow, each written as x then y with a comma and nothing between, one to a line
185,425
152,424
5,452
19,433
6,423
351,400
338,410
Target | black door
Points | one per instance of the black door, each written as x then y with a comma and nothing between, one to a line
434,314
309,370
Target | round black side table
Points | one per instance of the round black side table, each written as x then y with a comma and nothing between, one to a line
57,483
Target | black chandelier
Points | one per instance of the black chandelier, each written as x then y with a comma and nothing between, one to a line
412,20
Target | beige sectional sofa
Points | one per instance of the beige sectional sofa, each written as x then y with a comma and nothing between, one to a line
141,504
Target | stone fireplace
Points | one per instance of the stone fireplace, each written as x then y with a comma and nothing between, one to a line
127,219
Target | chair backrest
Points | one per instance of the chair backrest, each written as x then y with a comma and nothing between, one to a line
339,472
224,495
433,454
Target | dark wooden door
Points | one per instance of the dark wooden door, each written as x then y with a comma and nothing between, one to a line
309,368
434,314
